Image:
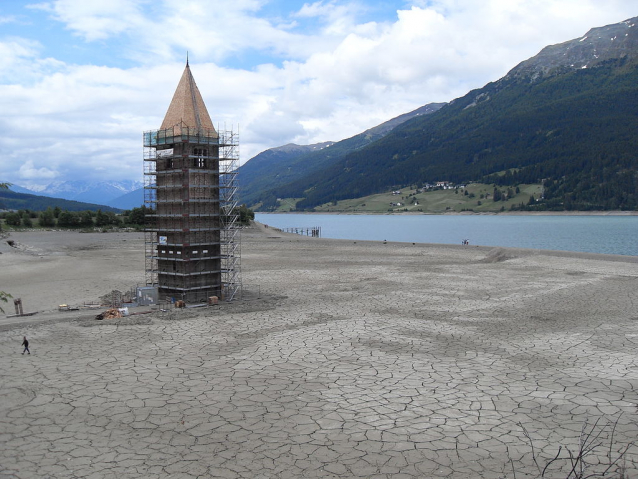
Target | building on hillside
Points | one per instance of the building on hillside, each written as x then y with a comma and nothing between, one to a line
192,236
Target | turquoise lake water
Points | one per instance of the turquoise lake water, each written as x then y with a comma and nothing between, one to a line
591,234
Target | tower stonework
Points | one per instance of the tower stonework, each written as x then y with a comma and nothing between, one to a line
192,233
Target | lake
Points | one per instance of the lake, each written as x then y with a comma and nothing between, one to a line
590,234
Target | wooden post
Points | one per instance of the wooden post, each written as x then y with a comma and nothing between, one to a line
18,305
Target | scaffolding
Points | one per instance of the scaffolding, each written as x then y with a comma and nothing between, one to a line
192,235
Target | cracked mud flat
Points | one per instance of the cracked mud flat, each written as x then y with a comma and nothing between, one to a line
358,361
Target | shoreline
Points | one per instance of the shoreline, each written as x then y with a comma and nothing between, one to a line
459,213
481,248
609,234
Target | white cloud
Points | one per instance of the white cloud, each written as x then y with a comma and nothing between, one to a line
166,29
337,79
20,61
29,172
337,18
96,19
7,19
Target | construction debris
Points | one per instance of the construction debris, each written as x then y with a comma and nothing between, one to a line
112,313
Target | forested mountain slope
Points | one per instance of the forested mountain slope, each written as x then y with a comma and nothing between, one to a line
262,175
274,166
567,117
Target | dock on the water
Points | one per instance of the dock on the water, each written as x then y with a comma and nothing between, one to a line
314,231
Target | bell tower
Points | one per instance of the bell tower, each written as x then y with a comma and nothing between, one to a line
192,241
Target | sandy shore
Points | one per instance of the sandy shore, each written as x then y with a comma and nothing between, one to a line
46,269
347,360
462,213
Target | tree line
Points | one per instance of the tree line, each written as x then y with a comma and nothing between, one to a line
57,217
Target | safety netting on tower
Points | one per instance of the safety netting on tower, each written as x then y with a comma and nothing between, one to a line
192,235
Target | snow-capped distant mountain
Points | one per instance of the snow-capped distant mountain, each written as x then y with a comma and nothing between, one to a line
97,192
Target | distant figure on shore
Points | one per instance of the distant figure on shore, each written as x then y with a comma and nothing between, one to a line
25,343
466,242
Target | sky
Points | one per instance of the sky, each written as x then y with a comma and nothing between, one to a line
81,80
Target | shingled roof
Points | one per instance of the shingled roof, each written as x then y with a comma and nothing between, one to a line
187,107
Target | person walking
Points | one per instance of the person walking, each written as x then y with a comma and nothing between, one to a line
25,343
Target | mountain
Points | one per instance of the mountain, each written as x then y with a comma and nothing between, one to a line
597,46
20,189
567,118
101,192
263,174
13,200
133,199
273,166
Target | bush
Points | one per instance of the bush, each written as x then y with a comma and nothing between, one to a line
106,219
246,215
67,219
47,218
86,218
13,219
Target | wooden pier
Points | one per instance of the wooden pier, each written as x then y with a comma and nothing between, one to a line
314,231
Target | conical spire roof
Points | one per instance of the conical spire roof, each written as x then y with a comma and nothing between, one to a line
187,107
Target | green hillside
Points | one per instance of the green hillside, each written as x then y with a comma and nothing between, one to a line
575,131
474,197
565,119
265,173
274,167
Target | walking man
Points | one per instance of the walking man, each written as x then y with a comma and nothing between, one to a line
25,343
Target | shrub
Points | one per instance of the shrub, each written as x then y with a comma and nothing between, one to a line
13,219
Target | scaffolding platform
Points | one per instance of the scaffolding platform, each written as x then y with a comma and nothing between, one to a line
192,235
